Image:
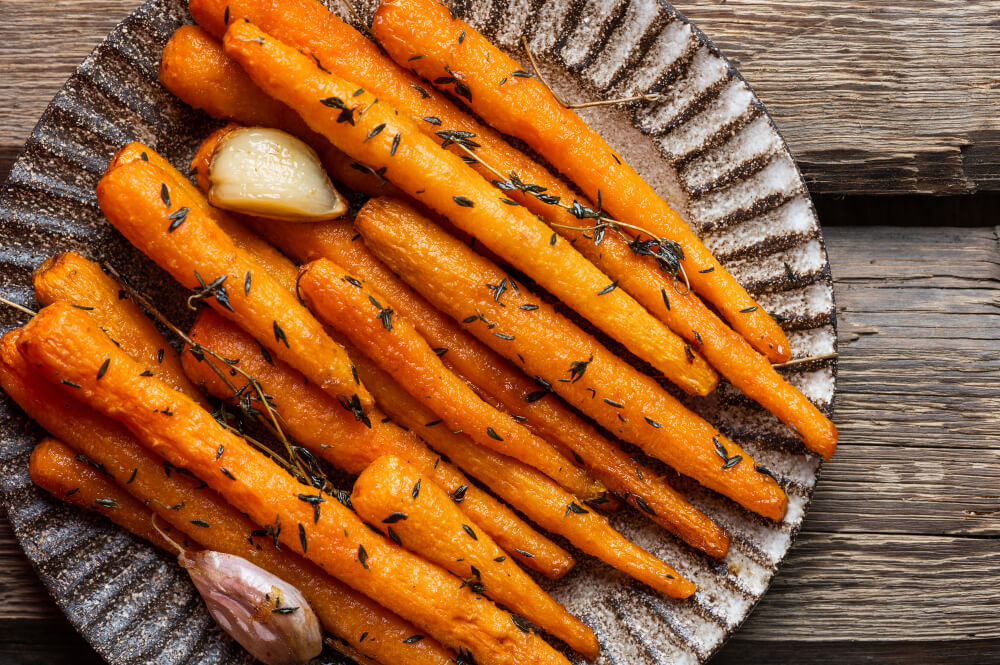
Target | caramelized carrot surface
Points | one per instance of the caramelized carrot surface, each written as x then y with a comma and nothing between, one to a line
69,349
83,283
318,422
194,67
171,227
534,493
181,501
54,467
372,132
347,304
426,36
548,345
395,498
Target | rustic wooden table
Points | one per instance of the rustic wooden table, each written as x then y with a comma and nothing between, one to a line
900,552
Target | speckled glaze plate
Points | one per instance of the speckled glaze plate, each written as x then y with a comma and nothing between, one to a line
707,144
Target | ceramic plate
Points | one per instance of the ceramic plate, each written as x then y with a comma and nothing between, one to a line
707,144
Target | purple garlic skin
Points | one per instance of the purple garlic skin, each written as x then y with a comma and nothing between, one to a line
267,616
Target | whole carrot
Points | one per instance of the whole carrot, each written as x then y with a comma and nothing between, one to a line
451,53
187,505
83,283
318,422
69,350
534,493
547,345
194,67
279,267
55,468
395,498
347,304
170,227
441,180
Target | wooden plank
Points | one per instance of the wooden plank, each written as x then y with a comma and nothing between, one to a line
873,96
21,594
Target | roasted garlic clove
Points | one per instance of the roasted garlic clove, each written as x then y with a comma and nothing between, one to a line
269,173
267,616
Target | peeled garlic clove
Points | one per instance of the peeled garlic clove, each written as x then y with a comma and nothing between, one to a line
267,616
269,173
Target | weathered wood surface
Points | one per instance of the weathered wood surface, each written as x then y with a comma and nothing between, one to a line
873,96
900,552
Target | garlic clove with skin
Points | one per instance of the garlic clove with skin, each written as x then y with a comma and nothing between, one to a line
270,173
267,616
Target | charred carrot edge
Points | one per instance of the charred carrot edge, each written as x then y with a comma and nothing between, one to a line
532,492
546,344
55,468
395,498
348,305
194,67
83,283
285,273
171,227
184,503
68,350
319,423
442,181
642,486
524,107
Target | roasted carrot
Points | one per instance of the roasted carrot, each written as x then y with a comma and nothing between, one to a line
441,180
397,499
195,68
319,423
170,227
546,344
280,268
69,350
348,305
83,283
449,52
532,492
185,504
55,468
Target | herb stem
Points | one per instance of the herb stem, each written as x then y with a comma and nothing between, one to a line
20,308
799,361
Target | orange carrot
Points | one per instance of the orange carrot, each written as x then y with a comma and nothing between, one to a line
348,305
423,34
394,497
171,227
318,422
83,283
185,504
440,180
54,467
280,268
547,345
541,499
69,351
195,68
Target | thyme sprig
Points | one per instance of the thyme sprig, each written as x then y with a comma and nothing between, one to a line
20,308
809,359
667,253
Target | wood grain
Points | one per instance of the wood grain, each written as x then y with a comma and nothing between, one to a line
873,96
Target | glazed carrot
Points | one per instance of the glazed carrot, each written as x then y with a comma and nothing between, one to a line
279,267
196,251
536,495
348,305
443,182
547,345
183,502
54,467
318,422
195,68
423,34
395,498
69,350
83,283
